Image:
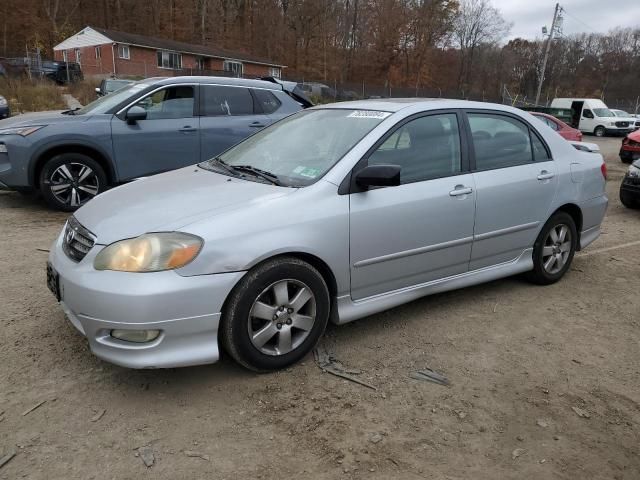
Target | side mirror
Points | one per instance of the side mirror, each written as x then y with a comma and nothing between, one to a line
135,114
98,91
379,176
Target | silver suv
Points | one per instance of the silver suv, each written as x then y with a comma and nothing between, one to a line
334,213
151,126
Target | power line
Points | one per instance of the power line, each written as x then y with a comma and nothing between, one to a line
580,21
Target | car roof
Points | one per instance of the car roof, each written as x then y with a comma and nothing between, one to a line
239,82
397,104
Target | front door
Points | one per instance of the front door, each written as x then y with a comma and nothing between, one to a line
421,230
167,139
516,181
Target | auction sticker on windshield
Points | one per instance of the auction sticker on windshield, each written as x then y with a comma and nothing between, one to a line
307,171
368,114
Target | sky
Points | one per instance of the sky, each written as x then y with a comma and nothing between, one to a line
528,16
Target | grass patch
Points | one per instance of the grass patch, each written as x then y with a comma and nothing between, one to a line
26,95
84,91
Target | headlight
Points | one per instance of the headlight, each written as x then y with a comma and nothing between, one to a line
3,102
633,171
24,131
151,252
612,124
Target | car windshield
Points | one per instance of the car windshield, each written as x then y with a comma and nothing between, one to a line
621,113
303,147
603,112
113,85
106,103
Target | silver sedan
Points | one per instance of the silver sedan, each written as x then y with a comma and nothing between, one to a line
331,214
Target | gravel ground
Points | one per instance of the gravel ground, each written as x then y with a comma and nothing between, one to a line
524,363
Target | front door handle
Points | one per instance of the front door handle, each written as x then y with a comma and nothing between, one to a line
257,125
544,175
188,129
460,190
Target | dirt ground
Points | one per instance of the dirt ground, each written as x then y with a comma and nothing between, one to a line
520,358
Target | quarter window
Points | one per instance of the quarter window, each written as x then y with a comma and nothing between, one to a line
499,141
123,52
425,148
267,100
221,101
172,102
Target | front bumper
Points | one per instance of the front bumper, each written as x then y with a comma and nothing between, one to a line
614,131
629,155
631,186
187,310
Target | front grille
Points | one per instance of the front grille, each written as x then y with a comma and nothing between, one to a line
77,240
622,124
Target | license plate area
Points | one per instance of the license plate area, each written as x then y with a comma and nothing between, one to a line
53,281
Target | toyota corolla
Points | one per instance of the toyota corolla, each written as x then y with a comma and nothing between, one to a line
332,214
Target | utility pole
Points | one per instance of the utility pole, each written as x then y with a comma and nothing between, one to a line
555,25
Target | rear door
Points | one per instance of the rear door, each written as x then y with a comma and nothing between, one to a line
516,181
167,139
228,114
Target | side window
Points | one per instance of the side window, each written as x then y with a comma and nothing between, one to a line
172,102
586,113
499,141
223,101
425,148
540,152
267,100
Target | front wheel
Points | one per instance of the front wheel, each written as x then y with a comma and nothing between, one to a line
70,180
275,315
599,132
554,249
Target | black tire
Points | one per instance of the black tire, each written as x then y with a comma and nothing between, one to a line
53,177
600,131
237,319
540,275
628,200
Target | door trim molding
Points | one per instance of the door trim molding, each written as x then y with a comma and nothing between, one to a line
506,231
413,251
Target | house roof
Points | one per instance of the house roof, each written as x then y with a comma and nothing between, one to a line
165,44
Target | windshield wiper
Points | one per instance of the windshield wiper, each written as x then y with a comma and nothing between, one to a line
223,164
72,111
271,177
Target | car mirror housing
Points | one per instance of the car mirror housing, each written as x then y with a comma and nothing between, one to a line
379,176
135,114
98,91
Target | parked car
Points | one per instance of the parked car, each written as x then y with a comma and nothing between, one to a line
110,85
149,127
5,111
62,72
630,148
630,186
564,130
336,212
318,90
633,121
591,115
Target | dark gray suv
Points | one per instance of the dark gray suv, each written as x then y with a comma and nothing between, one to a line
149,127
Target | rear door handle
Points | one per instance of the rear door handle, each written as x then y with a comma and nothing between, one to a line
544,175
188,129
460,190
257,125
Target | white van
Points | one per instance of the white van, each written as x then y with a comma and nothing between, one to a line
591,115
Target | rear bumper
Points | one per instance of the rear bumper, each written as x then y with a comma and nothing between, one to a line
186,310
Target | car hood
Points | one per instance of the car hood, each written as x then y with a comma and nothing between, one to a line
170,201
41,118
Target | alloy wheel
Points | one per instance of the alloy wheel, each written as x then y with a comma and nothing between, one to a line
282,317
74,184
557,248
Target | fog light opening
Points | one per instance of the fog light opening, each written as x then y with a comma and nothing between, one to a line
135,336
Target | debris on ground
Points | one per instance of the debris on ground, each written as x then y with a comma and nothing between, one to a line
375,438
146,454
37,405
98,415
542,423
429,375
43,250
581,413
518,452
328,363
192,454
4,460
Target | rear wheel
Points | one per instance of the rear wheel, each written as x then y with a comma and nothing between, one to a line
275,315
554,249
70,180
599,132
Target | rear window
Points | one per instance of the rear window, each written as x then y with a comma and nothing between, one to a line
218,100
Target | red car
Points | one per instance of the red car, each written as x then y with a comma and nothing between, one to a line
630,149
565,131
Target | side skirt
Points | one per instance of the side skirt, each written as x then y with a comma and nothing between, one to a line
348,310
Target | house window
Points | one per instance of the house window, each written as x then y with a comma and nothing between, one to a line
78,56
123,52
199,63
275,72
169,60
234,67
98,53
